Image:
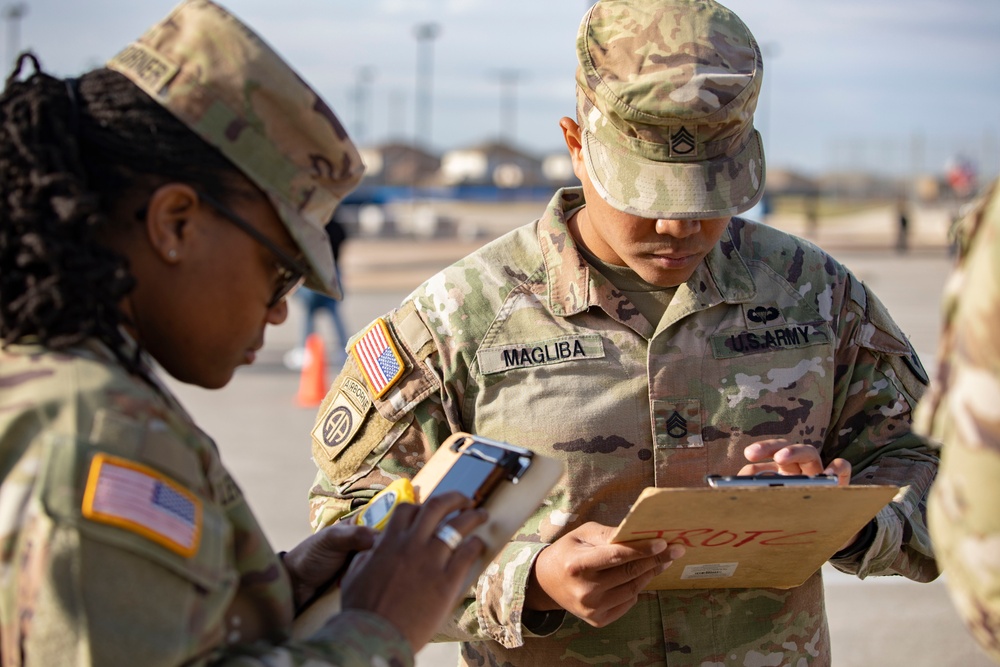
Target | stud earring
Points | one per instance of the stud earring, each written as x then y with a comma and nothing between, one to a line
172,254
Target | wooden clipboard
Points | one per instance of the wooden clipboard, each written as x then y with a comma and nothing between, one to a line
754,537
509,506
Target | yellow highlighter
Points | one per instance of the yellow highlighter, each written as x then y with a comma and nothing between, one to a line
378,510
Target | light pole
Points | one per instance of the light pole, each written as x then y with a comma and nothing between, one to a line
365,76
425,33
13,13
508,103
396,115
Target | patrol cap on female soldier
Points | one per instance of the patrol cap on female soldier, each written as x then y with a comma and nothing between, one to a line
242,98
245,141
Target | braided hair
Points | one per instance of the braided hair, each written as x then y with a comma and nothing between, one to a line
68,150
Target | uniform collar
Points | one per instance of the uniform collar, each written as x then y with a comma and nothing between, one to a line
722,277
726,267
567,271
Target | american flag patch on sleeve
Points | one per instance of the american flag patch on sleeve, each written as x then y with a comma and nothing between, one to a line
135,497
376,354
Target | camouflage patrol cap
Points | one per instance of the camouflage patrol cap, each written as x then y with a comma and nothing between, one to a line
666,91
225,83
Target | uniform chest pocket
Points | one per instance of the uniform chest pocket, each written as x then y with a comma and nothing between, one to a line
770,381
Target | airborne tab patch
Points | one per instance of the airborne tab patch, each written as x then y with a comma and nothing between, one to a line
378,358
137,498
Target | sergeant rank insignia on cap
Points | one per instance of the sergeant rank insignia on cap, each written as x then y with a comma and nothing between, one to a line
137,498
378,358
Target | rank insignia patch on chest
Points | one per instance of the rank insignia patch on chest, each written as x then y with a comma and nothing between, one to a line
137,498
378,358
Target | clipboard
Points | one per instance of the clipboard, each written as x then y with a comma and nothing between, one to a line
509,506
750,537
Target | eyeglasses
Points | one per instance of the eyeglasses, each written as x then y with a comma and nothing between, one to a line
291,271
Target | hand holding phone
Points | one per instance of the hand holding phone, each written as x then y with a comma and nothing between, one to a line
481,467
378,510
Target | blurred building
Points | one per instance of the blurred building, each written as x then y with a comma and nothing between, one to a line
495,163
782,182
400,164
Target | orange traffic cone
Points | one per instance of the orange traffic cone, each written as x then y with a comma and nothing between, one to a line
312,382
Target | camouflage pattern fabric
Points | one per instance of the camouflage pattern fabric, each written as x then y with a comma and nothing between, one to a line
523,342
163,565
960,411
224,82
666,93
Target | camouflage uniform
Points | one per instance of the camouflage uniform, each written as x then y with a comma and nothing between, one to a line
524,342
87,581
125,540
960,410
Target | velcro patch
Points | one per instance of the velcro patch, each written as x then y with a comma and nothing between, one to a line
678,423
684,141
378,358
137,498
342,418
149,66
740,343
540,353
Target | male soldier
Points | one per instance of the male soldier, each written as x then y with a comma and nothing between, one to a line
646,337
960,410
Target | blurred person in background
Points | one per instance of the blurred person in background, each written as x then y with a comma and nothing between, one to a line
902,226
962,411
155,214
646,335
315,302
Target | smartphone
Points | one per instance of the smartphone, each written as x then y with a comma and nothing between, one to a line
483,464
378,510
770,479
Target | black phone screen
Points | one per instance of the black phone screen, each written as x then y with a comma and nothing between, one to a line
472,477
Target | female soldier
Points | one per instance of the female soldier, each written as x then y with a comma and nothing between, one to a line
161,209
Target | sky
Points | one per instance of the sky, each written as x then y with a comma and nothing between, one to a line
897,87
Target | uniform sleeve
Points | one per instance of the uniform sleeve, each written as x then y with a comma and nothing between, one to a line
113,604
360,446
109,561
878,382
387,451
142,611
962,413
494,608
350,639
